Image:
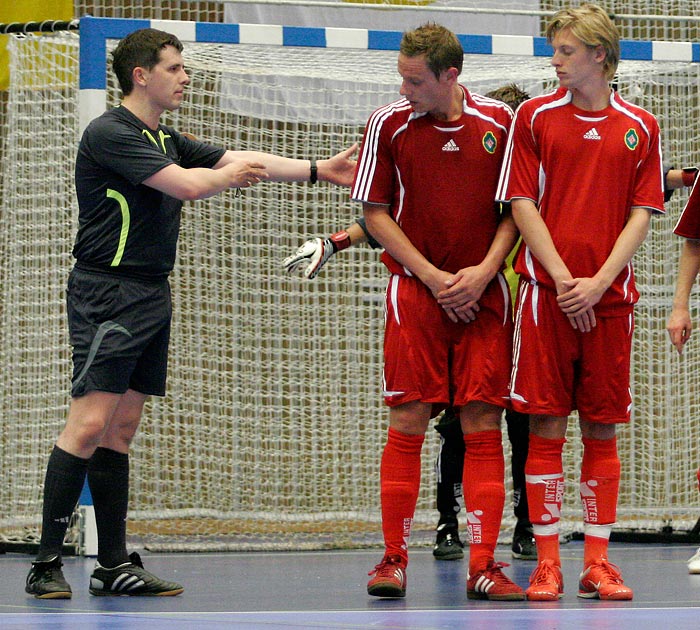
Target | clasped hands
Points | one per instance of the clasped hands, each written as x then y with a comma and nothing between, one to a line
576,298
459,293
460,299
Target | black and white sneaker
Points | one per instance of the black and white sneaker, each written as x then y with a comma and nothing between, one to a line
45,580
524,547
448,546
130,578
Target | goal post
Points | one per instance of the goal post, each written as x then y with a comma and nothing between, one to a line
271,431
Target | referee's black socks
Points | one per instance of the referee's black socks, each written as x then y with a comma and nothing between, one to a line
65,477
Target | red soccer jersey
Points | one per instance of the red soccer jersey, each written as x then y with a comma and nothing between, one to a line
584,171
439,178
688,224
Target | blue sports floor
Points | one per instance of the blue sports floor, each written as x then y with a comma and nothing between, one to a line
327,590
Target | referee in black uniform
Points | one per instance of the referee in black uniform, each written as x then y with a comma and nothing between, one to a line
132,175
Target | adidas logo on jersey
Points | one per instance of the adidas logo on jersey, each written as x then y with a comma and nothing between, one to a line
591,134
450,145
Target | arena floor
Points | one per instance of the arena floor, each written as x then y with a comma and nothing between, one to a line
326,590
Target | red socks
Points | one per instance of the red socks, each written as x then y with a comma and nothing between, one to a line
600,483
484,494
544,480
400,483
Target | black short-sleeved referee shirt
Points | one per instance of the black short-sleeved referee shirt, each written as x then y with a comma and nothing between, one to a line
123,225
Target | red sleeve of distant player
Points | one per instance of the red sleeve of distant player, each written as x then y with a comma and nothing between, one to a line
688,225
648,192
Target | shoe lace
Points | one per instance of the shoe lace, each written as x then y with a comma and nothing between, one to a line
48,575
386,566
494,572
47,571
544,573
609,571
54,573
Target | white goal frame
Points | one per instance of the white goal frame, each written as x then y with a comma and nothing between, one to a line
94,33
312,211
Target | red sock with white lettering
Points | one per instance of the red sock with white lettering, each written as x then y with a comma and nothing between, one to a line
599,487
544,480
484,494
400,483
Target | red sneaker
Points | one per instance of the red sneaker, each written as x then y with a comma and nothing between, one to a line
603,579
546,583
491,583
389,578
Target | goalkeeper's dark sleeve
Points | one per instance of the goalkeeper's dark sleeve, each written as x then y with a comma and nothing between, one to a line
373,243
668,192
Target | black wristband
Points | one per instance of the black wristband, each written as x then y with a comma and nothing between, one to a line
371,241
313,176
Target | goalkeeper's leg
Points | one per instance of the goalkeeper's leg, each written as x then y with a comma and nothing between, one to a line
448,468
523,544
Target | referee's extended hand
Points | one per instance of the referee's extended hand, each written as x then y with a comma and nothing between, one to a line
339,169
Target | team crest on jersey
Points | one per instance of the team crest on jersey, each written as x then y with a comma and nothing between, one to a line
631,139
489,141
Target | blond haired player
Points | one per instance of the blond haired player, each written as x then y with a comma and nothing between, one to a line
583,173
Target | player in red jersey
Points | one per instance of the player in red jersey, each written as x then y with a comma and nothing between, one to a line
427,178
583,172
315,253
680,324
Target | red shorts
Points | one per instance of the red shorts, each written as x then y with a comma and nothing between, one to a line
429,358
557,369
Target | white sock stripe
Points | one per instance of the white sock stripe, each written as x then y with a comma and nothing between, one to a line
543,478
546,530
598,531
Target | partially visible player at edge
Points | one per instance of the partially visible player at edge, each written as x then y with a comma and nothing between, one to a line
132,175
314,253
583,173
448,322
680,323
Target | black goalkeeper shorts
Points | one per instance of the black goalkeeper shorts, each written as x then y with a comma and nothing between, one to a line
119,329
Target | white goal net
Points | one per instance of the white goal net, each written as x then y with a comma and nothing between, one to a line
273,425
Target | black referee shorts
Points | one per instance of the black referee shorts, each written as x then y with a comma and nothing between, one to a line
119,329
